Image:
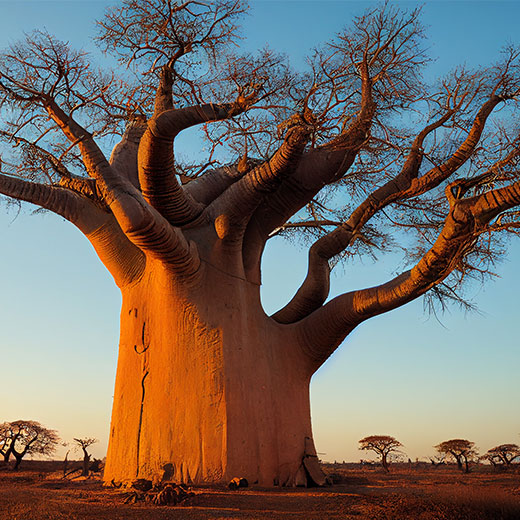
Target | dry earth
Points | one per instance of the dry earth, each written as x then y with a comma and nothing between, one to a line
416,491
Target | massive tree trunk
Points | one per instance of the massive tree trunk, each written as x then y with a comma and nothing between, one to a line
208,384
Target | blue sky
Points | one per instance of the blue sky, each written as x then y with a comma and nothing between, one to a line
402,374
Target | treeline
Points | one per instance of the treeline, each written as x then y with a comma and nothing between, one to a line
460,451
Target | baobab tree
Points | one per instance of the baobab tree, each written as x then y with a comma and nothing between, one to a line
85,443
207,384
383,445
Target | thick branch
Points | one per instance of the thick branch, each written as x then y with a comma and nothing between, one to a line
157,174
324,329
123,260
321,166
164,93
124,155
58,200
315,288
232,210
438,174
149,231
406,184
83,185
317,168
206,188
163,96
95,162
141,223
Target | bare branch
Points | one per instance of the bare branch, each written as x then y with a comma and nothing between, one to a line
324,329
124,155
144,226
211,184
123,260
157,174
405,185
232,210
59,200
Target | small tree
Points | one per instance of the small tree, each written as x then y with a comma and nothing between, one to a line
84,444
460,450
382,445
503,454
20,438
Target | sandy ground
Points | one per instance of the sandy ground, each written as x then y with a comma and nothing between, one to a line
418,492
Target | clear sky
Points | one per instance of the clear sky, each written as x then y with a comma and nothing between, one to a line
402,374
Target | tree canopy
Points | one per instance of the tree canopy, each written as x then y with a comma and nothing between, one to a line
383,445
503,454
400,154
459,450
21,438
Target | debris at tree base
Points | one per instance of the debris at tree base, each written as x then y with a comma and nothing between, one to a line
142,484
236,483
164,494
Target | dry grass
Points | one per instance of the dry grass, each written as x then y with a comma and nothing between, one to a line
408,492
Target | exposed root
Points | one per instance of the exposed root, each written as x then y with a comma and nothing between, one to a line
164,494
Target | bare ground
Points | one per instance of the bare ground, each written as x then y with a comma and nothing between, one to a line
418,492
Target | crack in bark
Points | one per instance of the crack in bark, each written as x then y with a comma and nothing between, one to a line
145,347
140,419
229,274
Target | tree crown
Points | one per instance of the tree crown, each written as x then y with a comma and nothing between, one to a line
457,448
28,437
382,444
357,151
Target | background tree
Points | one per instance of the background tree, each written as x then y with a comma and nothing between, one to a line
6,440
321,151
84,443
461,451
383,445
503,454
27,438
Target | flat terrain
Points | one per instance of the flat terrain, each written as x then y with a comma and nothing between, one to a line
415,491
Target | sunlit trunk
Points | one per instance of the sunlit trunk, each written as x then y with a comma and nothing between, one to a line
208,387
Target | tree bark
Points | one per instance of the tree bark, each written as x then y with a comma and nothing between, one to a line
459,461
208,387
17,461
384,462
86,461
